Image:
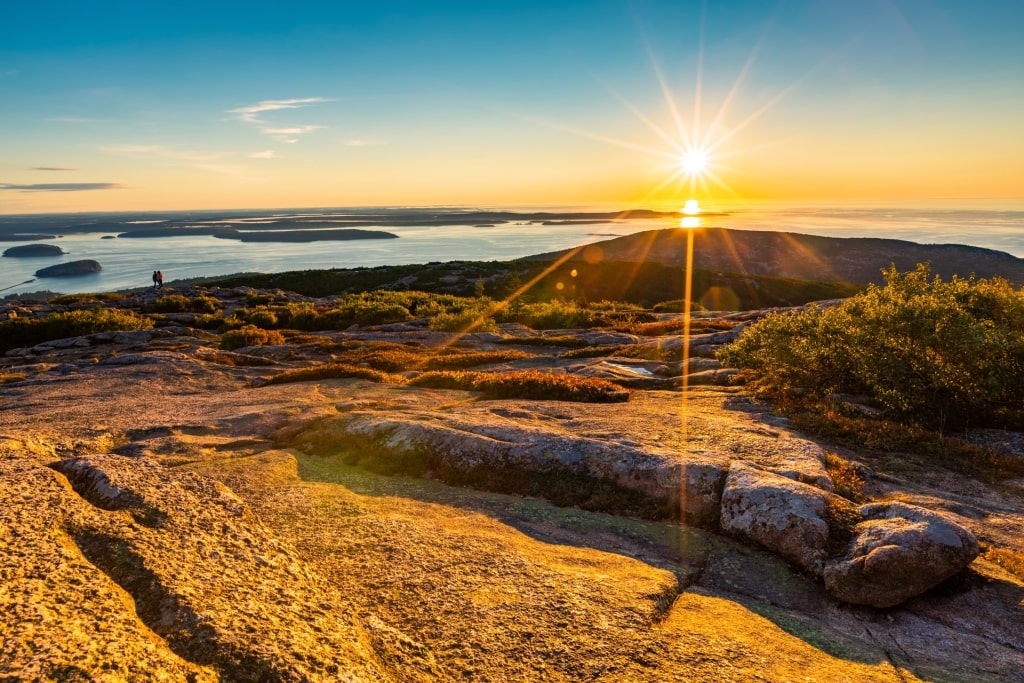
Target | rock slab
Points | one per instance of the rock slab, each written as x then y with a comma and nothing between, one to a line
782,515
897,552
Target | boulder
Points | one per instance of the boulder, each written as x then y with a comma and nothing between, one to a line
33,250
897,552
782,515
70,269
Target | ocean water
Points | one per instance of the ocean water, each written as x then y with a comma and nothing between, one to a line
130,262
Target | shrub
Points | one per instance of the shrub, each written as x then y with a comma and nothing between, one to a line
208,321
556,315
32,331
249,335
204,304
526,384
469,320
179,303
947,354
170,303
65,299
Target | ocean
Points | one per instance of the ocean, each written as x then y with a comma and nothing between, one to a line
130,262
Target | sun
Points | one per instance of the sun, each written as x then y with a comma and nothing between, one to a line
693,162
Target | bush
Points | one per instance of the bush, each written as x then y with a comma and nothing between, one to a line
65,299
554,315
32,331
470,320
526,384
179,303
249,335
947,354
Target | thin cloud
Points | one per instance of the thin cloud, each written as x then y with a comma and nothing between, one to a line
266,154
249,114
52,168
60,187
289,134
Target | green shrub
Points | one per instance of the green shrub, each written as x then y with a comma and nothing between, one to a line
947,354
170,303
469,320
526,384
249,335
554,315
179,303
204,304
32,331
263,317
65,299
208,321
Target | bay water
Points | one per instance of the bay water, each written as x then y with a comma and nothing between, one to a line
130,262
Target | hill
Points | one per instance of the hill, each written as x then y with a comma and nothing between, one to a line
856,260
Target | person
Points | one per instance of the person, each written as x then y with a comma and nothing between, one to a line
159,280
156,279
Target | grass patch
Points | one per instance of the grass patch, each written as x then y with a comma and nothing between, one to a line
526,384
900,440
565,340
1009,560
846,480
8,377
332,371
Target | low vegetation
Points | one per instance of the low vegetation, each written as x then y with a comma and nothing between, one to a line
179,303
947,355
105,297
526,384
249,335
31,331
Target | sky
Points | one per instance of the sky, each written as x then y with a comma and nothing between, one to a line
140,106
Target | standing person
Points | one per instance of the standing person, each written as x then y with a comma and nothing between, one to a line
156,279
159,280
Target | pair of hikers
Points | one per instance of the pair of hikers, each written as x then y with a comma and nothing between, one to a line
158,279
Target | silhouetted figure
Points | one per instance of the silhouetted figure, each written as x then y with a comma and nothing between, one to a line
156,279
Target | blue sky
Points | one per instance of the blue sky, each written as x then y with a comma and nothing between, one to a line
179,105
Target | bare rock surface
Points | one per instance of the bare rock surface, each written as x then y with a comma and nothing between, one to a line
782,515
200,587
123,558
897,552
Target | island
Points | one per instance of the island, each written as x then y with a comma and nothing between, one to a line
70,269
34,250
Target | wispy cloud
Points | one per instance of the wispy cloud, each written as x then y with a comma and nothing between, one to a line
289,134
52,168
251,114
60,187
265,154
